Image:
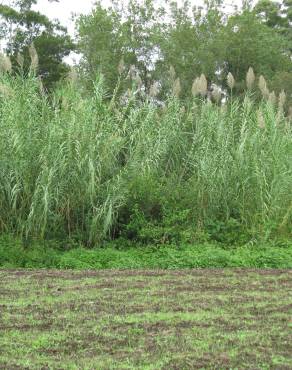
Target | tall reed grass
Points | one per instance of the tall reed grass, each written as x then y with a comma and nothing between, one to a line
74,166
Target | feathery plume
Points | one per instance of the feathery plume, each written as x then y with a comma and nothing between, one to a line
138,81
154,90
164,108
5,91
34,58
279,117
290,113
203,86
261,120
121,67
223,109
272,98
72,76
200,86
182,110
1,62
172,73
230,81
20,60
41,86
176,88
132,72
263,87
5,63
262,82
8,64
282,99
196,87
250,78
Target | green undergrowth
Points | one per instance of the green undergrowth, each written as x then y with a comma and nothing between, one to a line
13,254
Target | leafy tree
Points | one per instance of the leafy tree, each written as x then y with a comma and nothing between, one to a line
249,42
21,26
107,36
191,43
277,15
152,39
193,40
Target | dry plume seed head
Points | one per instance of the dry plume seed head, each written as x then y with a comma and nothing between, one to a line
290,114
272,98
230,81
250,78
5,63
223,109
172,73
20,60
121,66
182,110
5,91
176,88
8,64
279,117
41,86
154,90
282,99
200,86
164,108
262,82
196,87
72,76
138,82
203,85
34,57
260,119
263,87
132,72
1,62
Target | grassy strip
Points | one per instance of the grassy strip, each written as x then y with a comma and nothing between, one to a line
145,319
14,255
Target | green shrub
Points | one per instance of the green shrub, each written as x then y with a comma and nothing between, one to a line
119,256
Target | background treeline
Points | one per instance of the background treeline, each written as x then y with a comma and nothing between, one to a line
213,39
163,134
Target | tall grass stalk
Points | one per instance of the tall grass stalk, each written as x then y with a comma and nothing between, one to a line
70,166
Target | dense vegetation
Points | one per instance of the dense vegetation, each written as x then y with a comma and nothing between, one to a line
158,136
164,149
21,26
57,255
74,166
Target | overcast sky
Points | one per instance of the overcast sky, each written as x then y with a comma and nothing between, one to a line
64,9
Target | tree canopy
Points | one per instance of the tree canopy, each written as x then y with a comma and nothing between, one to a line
21,26
194,40
146,41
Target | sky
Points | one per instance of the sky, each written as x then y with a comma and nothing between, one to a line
64,9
